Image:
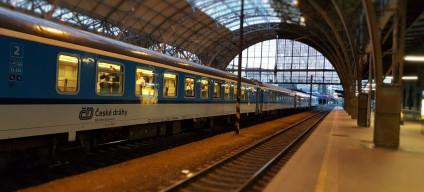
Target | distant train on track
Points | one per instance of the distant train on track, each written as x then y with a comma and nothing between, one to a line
61,82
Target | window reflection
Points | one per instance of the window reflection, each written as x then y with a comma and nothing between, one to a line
204,89
145,86
170,85
189,87
67,75
109,78
217,90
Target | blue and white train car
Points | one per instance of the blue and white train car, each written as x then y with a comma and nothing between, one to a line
61,80
302,100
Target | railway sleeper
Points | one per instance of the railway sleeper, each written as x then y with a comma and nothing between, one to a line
228,184
225,177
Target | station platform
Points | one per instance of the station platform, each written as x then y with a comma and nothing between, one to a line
340,156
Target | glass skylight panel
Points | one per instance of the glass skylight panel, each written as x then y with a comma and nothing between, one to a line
227,12
293,59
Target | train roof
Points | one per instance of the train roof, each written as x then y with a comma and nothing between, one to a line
19,22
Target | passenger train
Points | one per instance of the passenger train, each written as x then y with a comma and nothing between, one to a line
58,81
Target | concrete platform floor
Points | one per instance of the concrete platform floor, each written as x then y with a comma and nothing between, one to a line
340,156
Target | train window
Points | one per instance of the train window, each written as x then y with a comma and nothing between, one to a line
235,92
170,85
271,96
204,89
242,92
145,86
217,90
227,91
268,96
189,88
252,95
110,78
67,74
247,92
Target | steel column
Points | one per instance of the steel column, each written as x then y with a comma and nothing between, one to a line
239,70
310,94
354,102
363,110
388,98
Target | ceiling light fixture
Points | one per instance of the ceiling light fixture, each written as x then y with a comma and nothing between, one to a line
409,77
414,58
404,77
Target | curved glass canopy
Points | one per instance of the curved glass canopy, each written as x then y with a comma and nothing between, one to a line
284,61
227,12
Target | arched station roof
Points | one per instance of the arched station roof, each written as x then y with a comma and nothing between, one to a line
209,28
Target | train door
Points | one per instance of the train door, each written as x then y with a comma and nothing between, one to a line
261,98
259,101
295,101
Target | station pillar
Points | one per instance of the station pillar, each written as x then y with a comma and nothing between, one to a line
387,116
354,107
346,106
363,108
347,103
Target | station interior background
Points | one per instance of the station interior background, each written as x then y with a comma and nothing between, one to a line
283,60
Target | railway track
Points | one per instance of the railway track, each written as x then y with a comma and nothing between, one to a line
77,161
248,169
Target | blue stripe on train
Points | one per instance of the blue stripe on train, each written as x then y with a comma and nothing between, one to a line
23,101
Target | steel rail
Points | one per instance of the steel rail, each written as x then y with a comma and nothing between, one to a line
227,161
274,160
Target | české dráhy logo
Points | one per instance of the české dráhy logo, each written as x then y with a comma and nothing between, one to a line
86,113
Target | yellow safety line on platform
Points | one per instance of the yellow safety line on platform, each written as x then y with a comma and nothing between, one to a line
320,185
